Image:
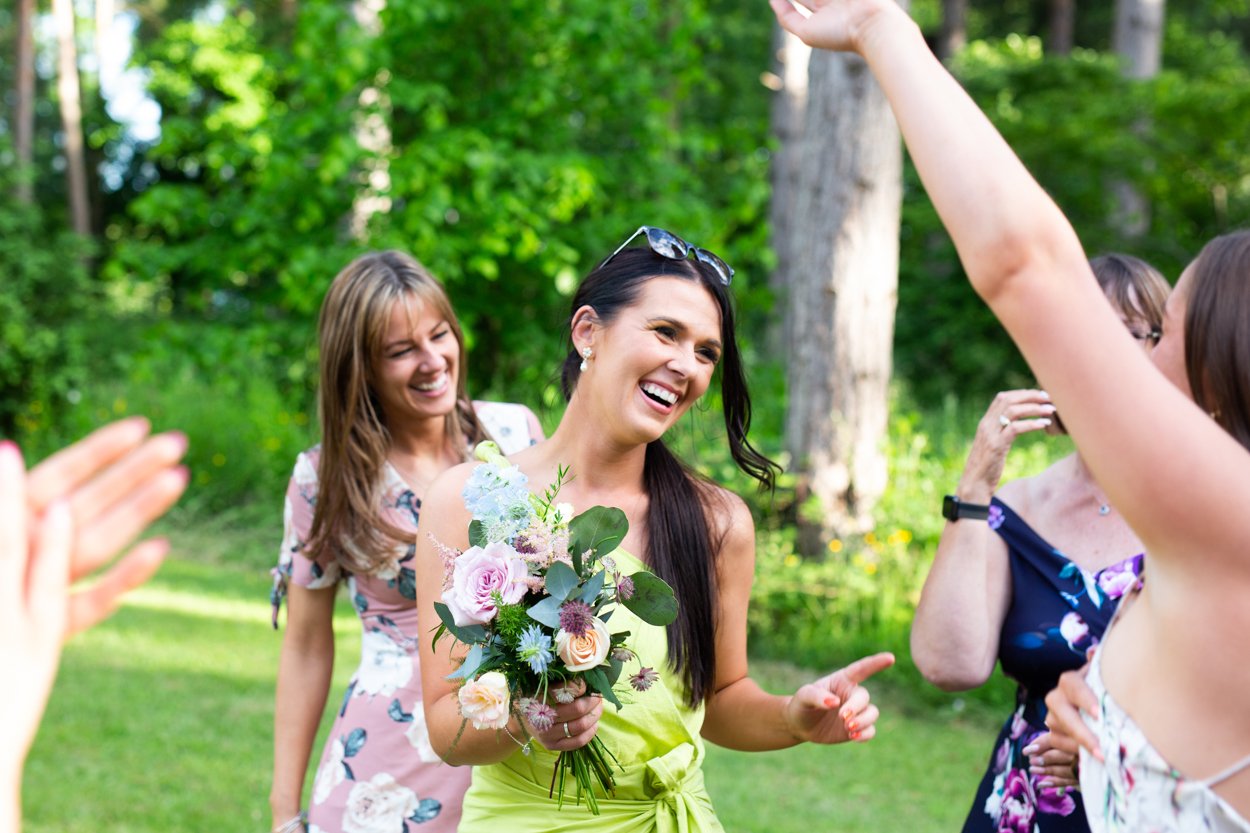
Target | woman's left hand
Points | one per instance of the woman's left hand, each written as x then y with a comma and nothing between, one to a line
836,708
1053,757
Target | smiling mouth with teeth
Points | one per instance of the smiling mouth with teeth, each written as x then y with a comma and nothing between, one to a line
659,394
433,385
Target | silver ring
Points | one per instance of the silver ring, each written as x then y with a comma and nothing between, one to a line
1003,421
567,733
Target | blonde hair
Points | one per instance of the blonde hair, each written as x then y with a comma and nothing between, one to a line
355,439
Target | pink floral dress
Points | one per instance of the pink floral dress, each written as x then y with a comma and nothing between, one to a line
378,772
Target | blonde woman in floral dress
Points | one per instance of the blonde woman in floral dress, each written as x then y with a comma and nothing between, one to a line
394,415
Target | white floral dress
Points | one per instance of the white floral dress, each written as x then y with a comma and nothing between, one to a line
378,772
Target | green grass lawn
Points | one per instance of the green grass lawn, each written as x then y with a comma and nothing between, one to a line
161,721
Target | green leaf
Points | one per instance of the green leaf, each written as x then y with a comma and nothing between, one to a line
600,529
599,682
653,600
468,634
472,662
561,580
593,585
613,674
477,534
547,612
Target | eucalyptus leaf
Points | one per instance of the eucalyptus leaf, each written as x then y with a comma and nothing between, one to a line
468,634
599,682
472,662
599,528
653,601
593,585
561,580
547,612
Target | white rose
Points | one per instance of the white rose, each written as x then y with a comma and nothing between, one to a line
418,735
384,666
484,701
581,653
378,806
1073,628
331,773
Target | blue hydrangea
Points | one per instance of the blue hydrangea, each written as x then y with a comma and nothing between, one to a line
497,496
535,648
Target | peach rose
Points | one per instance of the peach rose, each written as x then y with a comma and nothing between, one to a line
581,653
484,701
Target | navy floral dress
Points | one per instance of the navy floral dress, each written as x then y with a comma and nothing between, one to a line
1058,612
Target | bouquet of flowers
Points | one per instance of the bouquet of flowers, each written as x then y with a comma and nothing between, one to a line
531,599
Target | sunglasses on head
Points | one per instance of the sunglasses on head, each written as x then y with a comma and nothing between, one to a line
666,244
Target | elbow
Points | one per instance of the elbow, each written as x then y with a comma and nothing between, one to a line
945,669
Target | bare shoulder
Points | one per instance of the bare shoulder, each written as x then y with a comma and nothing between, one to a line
730,522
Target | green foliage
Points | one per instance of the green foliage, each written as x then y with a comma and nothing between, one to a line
44,296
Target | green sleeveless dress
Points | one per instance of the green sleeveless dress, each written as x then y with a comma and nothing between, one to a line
655,738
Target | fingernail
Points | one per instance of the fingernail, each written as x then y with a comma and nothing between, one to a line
181,439
854,735
852,726
846,713
1044,422
1030,749
139,424
830,702
1036,761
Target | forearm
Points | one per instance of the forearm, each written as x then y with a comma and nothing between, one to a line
745,717
304,675
459,744
999,218
954,637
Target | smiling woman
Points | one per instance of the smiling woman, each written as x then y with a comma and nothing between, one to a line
649,329
394,414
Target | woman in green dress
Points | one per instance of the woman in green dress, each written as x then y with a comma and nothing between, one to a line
649,327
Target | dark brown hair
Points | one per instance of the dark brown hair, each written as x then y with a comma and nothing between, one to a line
1217,332
680,543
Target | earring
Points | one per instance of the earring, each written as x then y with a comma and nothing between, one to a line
586,354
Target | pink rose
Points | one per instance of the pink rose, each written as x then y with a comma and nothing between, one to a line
484,701
479,573
581,653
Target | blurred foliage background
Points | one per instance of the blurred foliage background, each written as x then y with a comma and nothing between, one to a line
526,140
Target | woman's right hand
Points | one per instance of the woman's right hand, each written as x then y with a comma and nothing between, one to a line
837,25
1064,705
575,723
1012,413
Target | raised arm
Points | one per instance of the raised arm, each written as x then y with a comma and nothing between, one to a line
1025,260
954,638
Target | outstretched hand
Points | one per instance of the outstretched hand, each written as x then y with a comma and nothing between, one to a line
838,25
113,483
836,708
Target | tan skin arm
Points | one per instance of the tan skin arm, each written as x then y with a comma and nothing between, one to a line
740,715
954,637
445,519
1023,257
305,668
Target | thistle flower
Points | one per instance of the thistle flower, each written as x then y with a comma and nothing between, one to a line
644,679
564,695
541,716
624,587
575,617
622,654
535,648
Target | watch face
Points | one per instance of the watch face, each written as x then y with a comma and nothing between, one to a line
950,508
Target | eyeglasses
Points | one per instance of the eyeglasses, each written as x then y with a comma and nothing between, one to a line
666,244
1151,337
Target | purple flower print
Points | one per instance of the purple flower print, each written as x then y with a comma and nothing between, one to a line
1018,808
1053,800
995,519
1118,578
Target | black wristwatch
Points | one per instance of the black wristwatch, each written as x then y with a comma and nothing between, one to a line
953,509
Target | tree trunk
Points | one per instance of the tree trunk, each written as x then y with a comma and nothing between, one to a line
789,82
71,116
1138,39
373,134
24,117
1062,26
954,34
843,292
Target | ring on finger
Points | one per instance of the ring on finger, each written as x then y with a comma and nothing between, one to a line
1004,421
567,733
